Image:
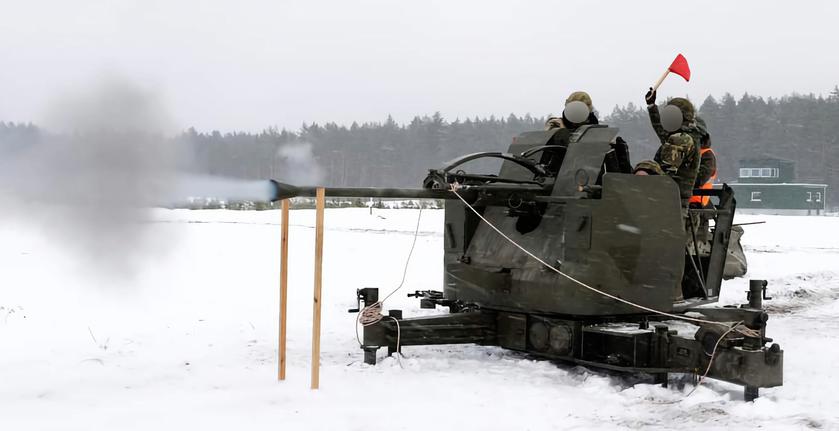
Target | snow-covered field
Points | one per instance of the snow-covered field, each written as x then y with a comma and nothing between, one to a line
189,340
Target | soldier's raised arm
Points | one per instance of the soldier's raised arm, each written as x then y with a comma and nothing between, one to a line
655,117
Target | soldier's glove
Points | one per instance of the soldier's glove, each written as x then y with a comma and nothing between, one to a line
650,97
554,123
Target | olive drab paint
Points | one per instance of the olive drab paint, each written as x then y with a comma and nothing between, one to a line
622,234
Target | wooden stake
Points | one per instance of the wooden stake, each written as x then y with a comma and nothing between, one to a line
283,287
319,204
660,80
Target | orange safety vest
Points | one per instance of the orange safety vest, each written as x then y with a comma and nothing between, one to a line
705,200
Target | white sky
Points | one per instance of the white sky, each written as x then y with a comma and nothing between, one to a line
246,65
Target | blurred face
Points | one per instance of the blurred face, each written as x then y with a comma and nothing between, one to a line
671,118
576,112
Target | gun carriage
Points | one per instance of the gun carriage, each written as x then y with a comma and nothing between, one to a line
622,283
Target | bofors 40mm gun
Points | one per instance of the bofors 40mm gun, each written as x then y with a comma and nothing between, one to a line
561,258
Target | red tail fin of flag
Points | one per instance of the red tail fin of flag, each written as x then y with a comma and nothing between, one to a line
680,67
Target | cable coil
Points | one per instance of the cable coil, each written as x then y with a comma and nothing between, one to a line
372,314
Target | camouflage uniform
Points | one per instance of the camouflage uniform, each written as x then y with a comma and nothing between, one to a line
690,126
679,159
651,167
577,96
674,158
616,160
678,155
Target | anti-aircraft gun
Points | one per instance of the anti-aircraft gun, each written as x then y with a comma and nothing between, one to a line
594,267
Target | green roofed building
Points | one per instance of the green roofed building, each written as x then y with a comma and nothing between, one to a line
768,185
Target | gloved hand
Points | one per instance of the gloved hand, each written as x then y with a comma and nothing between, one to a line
650,97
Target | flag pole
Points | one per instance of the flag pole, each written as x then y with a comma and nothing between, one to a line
661,79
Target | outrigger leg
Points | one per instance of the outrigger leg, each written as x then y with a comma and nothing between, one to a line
457,328
714,349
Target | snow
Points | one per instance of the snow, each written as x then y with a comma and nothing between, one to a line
189,340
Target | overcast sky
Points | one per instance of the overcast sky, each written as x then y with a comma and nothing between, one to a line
248,65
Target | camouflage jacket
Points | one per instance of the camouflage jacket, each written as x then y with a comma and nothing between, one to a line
678,157
679,153
691,128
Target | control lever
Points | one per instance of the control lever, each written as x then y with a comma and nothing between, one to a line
366,296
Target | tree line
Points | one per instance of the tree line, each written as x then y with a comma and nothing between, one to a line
801,128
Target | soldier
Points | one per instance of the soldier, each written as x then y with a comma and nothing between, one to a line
648,167
678,155
578,112
679,158
579,118
676,158
707,166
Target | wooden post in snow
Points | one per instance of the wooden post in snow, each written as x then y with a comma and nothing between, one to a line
283,288
319,206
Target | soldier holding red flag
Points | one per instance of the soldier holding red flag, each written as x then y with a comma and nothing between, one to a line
685,153
678,156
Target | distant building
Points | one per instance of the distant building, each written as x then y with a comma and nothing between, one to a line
768,186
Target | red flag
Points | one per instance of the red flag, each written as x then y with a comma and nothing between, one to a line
680,67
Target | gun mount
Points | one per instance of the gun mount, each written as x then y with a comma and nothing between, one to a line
604,234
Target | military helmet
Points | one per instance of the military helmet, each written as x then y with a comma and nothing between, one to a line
649,166
580,96
685,106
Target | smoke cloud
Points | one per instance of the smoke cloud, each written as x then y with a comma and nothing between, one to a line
91,180
293,163
107,157
298,165
220,188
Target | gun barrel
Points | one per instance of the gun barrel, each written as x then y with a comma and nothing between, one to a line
285,191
